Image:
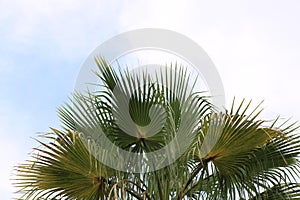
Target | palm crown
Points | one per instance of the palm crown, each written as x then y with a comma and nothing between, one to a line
206,154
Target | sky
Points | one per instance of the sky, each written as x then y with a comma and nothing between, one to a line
255,46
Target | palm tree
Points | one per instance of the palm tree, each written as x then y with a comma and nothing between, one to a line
210,154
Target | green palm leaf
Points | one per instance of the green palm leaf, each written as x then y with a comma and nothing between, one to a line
63,168
238,156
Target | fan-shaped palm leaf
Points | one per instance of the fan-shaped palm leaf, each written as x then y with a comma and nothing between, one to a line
63,168
238,156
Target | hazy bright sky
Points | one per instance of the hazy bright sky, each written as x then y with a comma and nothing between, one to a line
254,44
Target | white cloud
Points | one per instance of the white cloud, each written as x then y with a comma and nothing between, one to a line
255,45
73,27
166,14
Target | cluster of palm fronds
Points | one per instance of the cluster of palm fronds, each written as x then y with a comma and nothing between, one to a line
211,155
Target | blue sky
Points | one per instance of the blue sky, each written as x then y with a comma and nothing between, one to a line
255,45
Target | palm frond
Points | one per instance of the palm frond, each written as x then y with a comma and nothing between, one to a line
238,156
133,109
63,168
